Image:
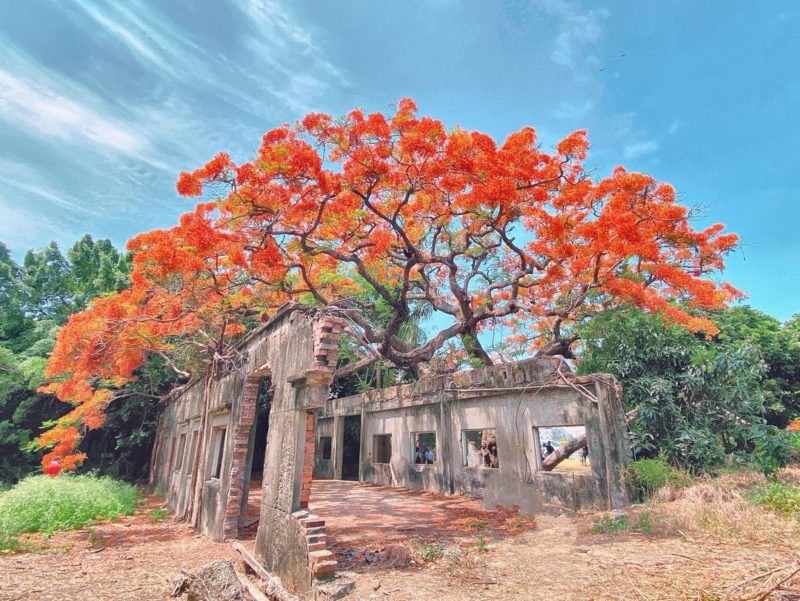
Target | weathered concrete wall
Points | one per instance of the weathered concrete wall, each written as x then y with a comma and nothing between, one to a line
204,444
297,350
512,400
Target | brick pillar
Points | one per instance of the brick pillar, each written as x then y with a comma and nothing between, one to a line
239,476
326,341
308,460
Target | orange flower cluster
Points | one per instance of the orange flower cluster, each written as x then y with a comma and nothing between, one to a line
400,211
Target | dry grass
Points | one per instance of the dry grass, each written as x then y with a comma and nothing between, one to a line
722,508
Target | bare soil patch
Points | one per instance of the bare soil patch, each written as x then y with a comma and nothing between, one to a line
135,558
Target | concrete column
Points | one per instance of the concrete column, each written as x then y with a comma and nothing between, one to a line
362,451
337,444
446,445
615,435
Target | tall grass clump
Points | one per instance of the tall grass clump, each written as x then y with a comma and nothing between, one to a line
47,505
646,476
780,497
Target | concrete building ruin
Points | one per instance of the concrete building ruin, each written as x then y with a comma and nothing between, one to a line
478,432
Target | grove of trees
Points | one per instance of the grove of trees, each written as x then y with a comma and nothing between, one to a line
36,298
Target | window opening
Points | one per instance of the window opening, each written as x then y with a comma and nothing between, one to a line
218,446
179,456
423,447
382,448
479,448
567,445
325,448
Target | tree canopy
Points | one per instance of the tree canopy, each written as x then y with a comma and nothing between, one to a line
35,299
374,217
696,401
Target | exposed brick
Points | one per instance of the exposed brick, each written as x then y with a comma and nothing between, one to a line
324,568
312,521
315,557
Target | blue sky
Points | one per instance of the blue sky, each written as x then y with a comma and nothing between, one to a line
103,103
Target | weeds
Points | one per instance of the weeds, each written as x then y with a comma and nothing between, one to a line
431,551
47,505
158,514
647,476
780,497
481,545
476,524
641,522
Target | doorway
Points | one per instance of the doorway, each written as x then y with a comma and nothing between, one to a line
351,447
251,495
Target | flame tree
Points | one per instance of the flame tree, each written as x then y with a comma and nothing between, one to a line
374,216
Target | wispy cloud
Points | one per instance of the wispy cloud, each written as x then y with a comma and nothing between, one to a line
675,126
633,150
578,30
574,111
22,228
150,94
50,107
634,142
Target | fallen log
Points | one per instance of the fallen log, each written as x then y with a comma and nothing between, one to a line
273,587
562,452
553,459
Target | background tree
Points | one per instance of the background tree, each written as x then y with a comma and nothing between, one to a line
697,401
779,347
35,299
372,217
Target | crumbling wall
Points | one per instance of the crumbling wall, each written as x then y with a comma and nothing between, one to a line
297,349
511,401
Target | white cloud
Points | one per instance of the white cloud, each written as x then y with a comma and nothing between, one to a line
103,150
133,35
64,201
36,104
633,150
675,126
574,111
578,30
633,141
284,63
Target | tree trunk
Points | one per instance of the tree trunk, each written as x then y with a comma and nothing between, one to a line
560,454
552,460
475,350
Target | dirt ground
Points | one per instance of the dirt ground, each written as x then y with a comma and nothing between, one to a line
406,545
135,558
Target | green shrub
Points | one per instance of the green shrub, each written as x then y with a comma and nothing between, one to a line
778,496
47,505
642,523
646,476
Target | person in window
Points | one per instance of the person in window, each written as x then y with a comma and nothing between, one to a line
584,455
491,453
429,456
417,455
473,455
549,448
